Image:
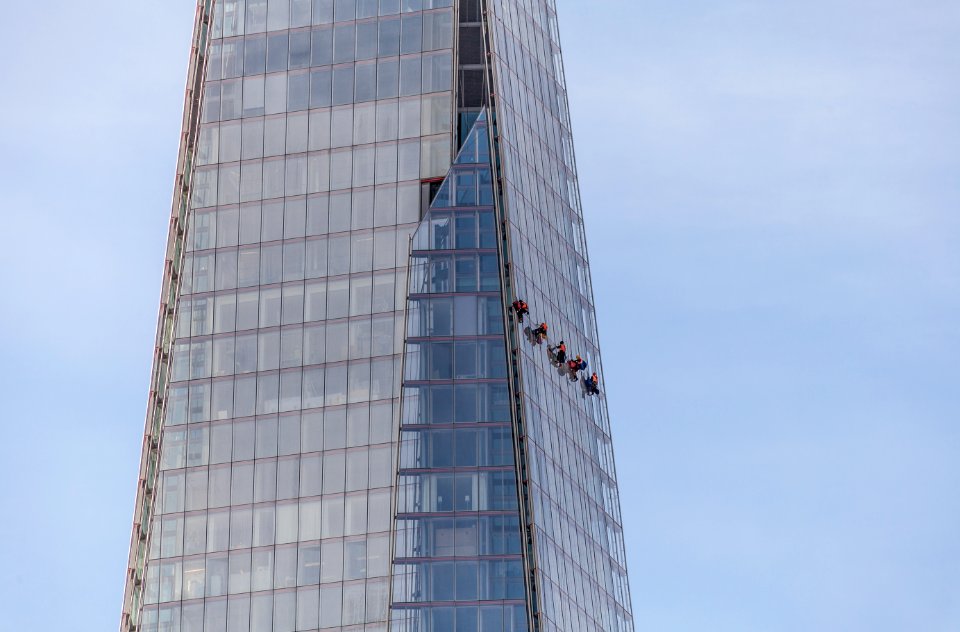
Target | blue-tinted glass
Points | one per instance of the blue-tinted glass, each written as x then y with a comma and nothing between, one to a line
389,37
366,40
474,466
410,76
322,11
320,88
441,317
499,408
442,619
388,78
467,586
366,82
440,274
489,273
344,43
255,55
466,188
214,62
488,231
298,91
443,199
345,10
343,85
277,52
299,49
232,54
492,316
466,441
366,9
441,360
468,150
441,448
467,400
300,13
466,539
485,187
467,119
500,447
441,405
520,619
465,355
411,34
440,229
445,495
466,231
466,274
491,619
321,53
467,620
464,486
444,581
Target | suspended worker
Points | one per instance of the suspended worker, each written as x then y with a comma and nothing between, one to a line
575,365
593,384
561,352
540,332
521,309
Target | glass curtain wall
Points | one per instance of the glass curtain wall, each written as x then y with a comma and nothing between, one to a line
458,562
324,125
320,120
578,535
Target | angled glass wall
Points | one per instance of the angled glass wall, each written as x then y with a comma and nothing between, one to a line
458,563
578,534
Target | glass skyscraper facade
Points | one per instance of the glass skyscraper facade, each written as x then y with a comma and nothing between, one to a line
347,427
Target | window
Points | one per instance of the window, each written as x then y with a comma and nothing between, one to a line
437,72
322,47
299,49
390,37
437,30
411,40
342,85
344,43
254,55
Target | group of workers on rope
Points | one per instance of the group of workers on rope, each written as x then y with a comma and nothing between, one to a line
559,353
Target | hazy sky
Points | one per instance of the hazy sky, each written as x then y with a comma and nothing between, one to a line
772,190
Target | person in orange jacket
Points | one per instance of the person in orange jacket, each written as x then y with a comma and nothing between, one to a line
561,351
521,308
593,384
540,332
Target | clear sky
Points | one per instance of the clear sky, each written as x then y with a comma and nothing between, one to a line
772,191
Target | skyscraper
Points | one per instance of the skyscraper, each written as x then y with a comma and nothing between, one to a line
348,428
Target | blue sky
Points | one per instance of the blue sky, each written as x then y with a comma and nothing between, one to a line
773,207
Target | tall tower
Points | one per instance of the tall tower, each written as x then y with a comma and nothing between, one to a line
348,428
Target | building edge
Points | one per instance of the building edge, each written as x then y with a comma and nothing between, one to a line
514,368
169,294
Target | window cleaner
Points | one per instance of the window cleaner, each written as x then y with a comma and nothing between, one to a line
593,384
521,308
576,365
540,333
561,351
